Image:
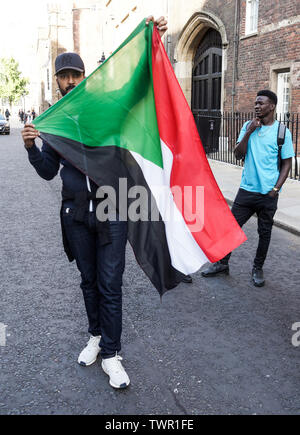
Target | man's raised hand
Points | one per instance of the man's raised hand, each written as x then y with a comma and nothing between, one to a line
160,23
254,124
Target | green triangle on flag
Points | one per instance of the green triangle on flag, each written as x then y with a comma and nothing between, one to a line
114,106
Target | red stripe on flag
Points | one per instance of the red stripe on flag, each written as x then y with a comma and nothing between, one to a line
220,233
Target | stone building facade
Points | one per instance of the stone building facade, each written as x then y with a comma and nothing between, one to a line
53,39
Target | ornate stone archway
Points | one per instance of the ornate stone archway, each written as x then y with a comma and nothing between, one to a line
187,44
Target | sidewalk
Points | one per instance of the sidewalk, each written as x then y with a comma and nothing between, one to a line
288,214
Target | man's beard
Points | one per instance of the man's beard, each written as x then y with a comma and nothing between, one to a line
65,91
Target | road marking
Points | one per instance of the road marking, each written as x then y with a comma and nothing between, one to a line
3,334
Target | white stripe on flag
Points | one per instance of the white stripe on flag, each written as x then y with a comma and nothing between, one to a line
186,254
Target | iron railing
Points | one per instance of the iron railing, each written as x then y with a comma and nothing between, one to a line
219,132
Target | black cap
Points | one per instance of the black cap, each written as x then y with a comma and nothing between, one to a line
69,61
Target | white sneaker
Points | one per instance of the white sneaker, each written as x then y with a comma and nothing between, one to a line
118,378
89,354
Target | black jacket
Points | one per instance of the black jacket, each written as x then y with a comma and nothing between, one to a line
47,163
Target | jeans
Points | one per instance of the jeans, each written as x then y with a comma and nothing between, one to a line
244,206
101,267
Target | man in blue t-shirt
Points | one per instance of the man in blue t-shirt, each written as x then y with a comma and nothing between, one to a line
261,179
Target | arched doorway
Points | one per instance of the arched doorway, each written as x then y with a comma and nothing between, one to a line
207,88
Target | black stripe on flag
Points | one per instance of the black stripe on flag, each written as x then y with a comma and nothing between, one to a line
105,166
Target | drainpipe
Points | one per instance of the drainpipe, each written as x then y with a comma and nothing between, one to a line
169,40
235,46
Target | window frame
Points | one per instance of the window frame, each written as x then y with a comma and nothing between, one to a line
281,93
251,21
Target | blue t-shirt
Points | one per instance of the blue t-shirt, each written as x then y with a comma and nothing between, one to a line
260,172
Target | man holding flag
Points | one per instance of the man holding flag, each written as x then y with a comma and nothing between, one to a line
99,250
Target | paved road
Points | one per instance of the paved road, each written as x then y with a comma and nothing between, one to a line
217,346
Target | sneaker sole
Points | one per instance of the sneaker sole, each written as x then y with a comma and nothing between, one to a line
118,387
258,285
83,364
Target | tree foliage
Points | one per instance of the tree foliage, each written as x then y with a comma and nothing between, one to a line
12,84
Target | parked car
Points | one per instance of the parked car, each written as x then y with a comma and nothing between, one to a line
4,125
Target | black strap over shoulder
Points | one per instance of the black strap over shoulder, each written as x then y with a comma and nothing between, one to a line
280,142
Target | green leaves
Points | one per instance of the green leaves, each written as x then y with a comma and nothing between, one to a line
12,84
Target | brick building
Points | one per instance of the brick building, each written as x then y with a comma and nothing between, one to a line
259,42
269,53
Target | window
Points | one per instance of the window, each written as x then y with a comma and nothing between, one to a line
251,16
283,93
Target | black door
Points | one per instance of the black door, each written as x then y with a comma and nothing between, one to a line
206,89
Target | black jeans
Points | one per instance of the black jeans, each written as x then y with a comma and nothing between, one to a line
101,268
244,206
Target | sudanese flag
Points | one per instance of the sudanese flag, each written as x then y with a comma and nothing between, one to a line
129,120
